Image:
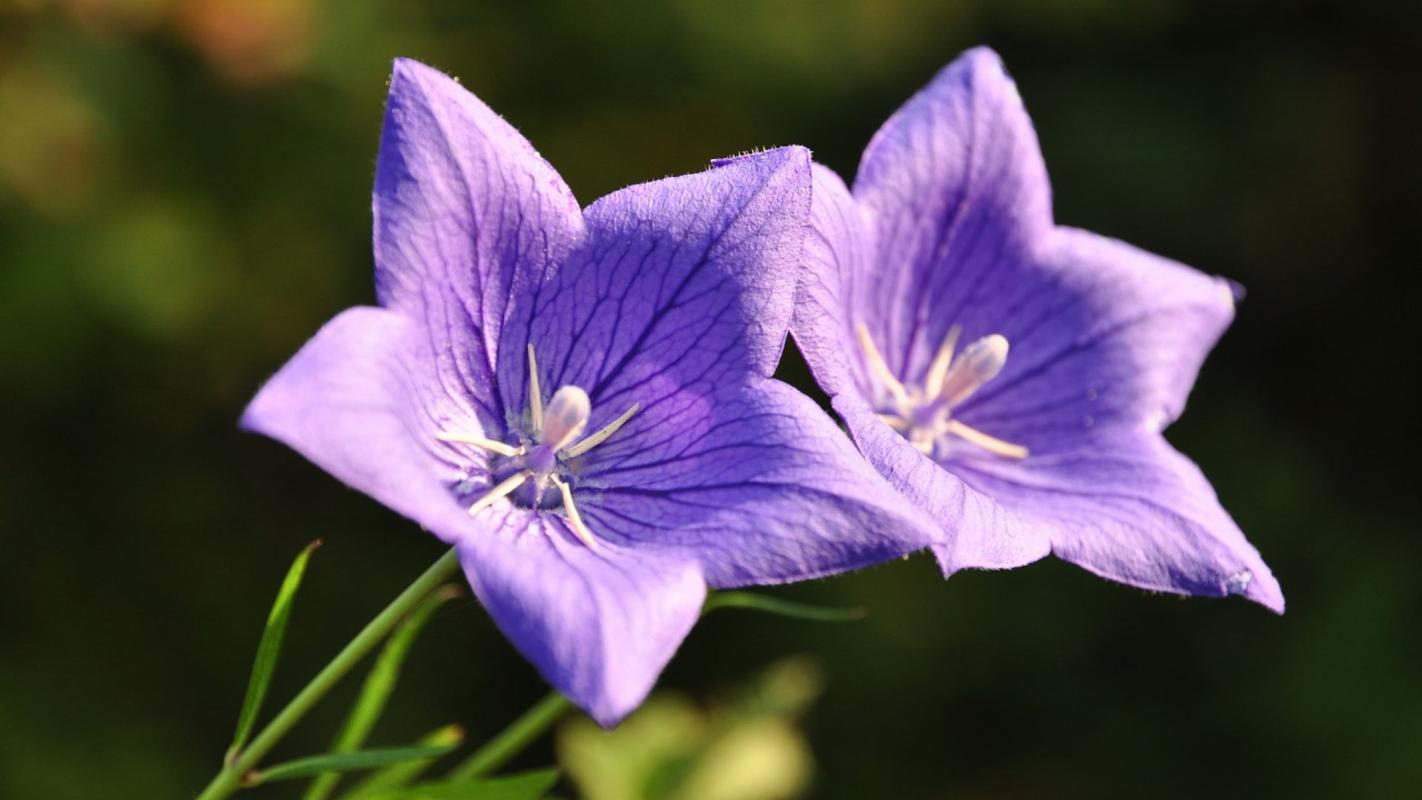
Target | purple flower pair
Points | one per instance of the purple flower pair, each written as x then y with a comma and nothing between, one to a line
580,400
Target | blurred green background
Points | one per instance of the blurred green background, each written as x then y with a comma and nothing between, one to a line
184,198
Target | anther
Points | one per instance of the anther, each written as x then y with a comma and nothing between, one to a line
881,368
487,445
924,414
603,434
933,382
551,430
575,520
992,444
535,396
504,489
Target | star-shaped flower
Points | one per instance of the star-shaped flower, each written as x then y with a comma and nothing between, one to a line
944,260
580,400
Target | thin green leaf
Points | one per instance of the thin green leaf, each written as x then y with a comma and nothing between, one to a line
341,762
397,776
268,650
524,786
379,683
785,608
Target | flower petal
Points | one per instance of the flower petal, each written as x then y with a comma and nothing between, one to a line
1105,342
974,525
957,184
838,263
755,482
599,623
1128,507
683,281
353,401
1103,335
466,214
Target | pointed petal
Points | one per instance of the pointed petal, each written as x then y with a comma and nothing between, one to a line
981,531
838,263
683,281
466,213
756,482
354,400
1103,335
599,623
1130,508
1105,344
957,184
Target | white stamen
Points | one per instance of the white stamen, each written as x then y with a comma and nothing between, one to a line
501,491
992,444
566,417
575,520
924,414
602,435
487,445
979,363
535,396
881,369
553,428
933,382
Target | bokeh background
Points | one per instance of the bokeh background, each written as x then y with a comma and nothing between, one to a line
184,198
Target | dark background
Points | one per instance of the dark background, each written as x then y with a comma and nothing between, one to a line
184,198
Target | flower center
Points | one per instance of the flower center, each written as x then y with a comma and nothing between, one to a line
923,414
537,468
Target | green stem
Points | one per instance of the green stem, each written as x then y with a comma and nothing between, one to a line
514,738
229,779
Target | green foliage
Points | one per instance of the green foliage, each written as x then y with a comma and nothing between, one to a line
269,649
784,608
397,776
509,742
342,762
379,684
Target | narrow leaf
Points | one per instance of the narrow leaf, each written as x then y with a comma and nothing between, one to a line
785,608
379,684
341,762
397,776
268,650
524,786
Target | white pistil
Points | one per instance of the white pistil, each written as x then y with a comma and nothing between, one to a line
880,368
603,434
487,445
504,489
575,520
552,430
535,396
566,417
980,362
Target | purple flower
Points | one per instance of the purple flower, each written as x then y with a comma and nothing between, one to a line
1011,376
580,401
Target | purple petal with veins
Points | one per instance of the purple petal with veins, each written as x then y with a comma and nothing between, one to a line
580,400
1010,376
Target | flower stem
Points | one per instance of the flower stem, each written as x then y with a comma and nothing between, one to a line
518,735
229,779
